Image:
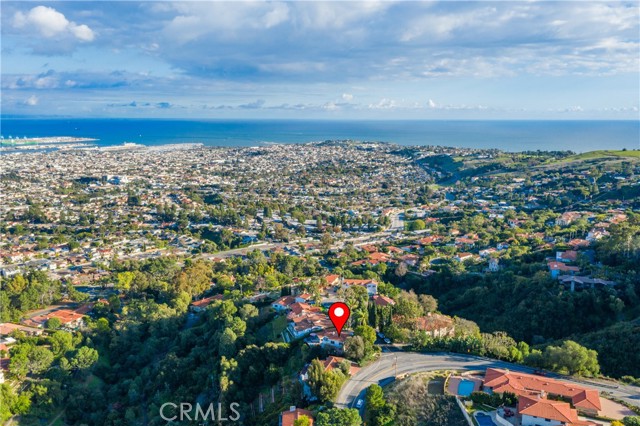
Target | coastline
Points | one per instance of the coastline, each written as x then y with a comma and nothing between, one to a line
508,136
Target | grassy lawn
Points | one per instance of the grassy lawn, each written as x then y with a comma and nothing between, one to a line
603,154
271,331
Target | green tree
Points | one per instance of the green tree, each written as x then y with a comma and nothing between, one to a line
332,381
367,333
61,342
339,417
248,312
631,421
416,225
124,280
355,348
194,279
302,421
572,358
11,403
375,398
428,303
53,323
40,359
408,306
315,373
379,411
227,344
84,358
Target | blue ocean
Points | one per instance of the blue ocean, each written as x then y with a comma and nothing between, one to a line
577,136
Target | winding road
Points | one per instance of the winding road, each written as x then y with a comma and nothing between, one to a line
393,364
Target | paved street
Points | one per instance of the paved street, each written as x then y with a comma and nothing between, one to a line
408,362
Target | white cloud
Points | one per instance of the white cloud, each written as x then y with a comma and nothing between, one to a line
330,106
51,23
384,104
432,104
276,16
32,100
225,20
347,96
81,32
325,15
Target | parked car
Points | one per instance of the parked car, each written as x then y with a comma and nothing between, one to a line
387,341
359,403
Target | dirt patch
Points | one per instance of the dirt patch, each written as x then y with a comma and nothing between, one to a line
420,401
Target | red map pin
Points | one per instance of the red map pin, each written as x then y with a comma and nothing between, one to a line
339,314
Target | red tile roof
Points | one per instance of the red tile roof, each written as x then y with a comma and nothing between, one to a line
531,385
64,315
559,266
285,301
289,417
571,255
552,410
380,300
203,303
332,279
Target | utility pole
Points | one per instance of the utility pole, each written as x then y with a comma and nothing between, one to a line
396,367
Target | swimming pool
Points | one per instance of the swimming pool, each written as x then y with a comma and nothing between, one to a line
484,419
465,387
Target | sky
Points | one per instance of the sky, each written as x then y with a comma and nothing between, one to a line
322,60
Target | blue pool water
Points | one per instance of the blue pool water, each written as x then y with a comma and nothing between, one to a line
465,387
484,420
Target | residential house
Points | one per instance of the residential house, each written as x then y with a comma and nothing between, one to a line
596,234
578,243
560,268
201,305
288,418
435,325
383,301
567,256
536,411
579,282
333,280
69,319
487,252
329,364
304,298
463,257
7,328
410,259
331,339
283,303
532,386
370,285
465,242
567,218
307,322
431,239
10,270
